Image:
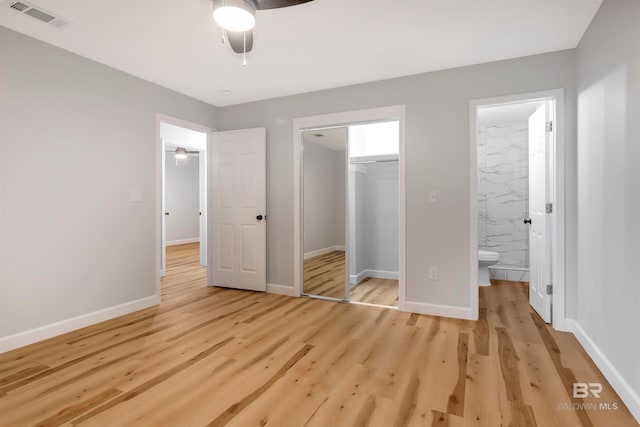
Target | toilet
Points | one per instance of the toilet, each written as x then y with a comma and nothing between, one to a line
485,259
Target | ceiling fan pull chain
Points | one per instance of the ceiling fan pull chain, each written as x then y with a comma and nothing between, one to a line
223,36
244,49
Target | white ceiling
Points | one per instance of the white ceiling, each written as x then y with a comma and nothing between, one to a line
177,136
318,45
506,114
333,139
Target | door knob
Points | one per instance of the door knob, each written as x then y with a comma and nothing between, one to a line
259,217
166,213
527,221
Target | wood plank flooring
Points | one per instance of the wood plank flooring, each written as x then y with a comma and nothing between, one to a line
325,275
214,357
376,291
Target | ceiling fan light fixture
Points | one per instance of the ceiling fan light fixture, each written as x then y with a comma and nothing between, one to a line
234,15
181,153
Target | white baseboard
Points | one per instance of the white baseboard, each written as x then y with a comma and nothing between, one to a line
182,241
272,288
31,336
378,274
439,310
322,251
566,325
354,279
629,396
382,274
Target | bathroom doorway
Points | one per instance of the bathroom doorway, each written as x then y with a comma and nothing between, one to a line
516,197
350,209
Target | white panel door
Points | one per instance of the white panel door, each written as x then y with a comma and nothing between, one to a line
237,214
539,253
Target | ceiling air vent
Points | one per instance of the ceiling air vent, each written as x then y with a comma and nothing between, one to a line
36,12
20,7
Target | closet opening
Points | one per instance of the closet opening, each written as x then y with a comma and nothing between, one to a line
350,212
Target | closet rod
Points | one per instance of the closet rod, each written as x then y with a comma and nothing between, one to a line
364,162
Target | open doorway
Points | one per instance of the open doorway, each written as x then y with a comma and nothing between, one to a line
351,212
516,198
231,246
373,213
183,195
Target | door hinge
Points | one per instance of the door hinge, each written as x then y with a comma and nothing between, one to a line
549,207
549,126
549,289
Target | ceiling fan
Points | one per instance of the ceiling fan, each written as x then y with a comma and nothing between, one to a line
182,153
237,18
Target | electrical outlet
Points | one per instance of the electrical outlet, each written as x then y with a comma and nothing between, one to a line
433,273
135,196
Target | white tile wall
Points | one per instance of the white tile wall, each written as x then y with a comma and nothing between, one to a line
503,193
512,274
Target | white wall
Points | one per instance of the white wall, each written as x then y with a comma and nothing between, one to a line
437,150
182,193
324,197
75,138
381,241
374,139
608,293
340,195
375,245
358,249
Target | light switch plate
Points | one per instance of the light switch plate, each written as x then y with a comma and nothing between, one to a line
135,196
433,196
433,273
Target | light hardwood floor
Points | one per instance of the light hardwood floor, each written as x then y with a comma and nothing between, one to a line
213,357
325,275
376,291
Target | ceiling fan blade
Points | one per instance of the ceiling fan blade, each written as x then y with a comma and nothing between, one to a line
236,40
275,4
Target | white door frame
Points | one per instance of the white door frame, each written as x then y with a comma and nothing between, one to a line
203,205
160,155
395,112
557,175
